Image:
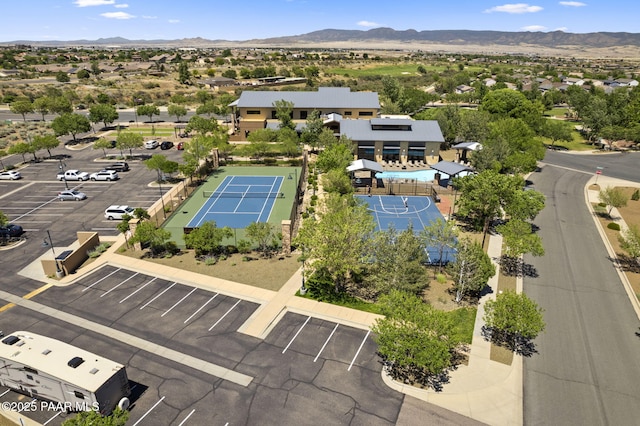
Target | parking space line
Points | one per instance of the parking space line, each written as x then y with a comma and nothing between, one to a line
45,423
148,411
5,392
325,343
118,285
358,351
103,278
187,418
201,307
148,282
225,314
161,293
28,405
178,302
296,335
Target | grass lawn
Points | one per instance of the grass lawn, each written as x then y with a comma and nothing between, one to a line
394,70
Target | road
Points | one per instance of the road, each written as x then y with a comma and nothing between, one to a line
587,369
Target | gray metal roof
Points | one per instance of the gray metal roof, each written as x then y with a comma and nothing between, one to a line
421,130
324,98
450,168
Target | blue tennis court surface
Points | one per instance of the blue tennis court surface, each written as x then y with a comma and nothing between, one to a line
239,200
404,211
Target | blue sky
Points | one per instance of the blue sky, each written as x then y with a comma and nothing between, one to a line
248,19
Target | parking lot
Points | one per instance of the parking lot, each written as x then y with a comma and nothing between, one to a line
305,367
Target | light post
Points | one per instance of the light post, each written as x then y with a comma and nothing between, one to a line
164,213
50,243
64,178
303,289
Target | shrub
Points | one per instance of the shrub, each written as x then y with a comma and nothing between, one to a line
614,226
244,246
314,197
636,195
441,278
99,250
602,204
210,261
305,215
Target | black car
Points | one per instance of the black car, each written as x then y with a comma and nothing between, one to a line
10,230
166,145
118,167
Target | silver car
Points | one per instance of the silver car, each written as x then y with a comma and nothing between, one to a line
71,195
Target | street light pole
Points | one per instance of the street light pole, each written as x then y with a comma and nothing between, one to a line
64,178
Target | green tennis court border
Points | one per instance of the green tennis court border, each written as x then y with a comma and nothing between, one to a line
281,209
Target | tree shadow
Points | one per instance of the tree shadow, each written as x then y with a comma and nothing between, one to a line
415,376
516,267
627,263
512,341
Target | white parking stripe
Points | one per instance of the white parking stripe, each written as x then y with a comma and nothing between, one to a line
161,293
296,335
148,282
148,411
103,278
187,418
225,314
45,423
178,302
325,343
200,308
5,392
118,285
359,349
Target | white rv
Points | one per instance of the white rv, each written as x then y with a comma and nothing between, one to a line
50,370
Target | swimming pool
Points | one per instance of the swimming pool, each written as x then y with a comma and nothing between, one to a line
418,175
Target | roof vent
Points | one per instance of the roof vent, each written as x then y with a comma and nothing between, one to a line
46,352
11,340
75,362
94,371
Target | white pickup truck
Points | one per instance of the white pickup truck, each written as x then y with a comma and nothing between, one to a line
73,175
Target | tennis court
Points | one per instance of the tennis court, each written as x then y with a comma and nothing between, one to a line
239,200
401,212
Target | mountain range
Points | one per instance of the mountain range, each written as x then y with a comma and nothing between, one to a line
376,37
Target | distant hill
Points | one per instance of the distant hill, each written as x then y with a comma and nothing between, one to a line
374,37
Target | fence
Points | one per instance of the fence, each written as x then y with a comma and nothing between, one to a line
297,202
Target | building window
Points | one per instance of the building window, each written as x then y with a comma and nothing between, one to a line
78,394
303,115
274,115
365,114
347,113
253,112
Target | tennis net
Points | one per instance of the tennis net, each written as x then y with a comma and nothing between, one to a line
227,194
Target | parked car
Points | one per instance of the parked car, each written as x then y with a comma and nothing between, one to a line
104,175
73,175
10,230
180,146
116,212
72,195
152,144
10,175
118,167
166,145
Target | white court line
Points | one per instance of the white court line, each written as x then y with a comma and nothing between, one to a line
201,307
296,335
206,207
118,285
103,278
45,423
264,205
148,282
161,293
178,302
359,349
187,418
225,314
325,343
148,411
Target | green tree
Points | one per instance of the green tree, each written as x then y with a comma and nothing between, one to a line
337,181
313,128
198,148
513,319
41,105
62,77
21,106
21,148
398,262
207,239
3,219
104,113
337,156
263,234
95,68
471,269
184,77
630,241
47,142
201,125
177,111
337,241
416,342
69,123
208,108
129,140
148,110
83,74
557,131
161,165
518,238
147,233
284,113
60,105
289,142
119,417
613,197
102,144
440,235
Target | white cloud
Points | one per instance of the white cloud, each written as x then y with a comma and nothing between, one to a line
149,17
117,15
516,8
563,29
121,6
573,3
173,21
85,3
534,28
368,24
